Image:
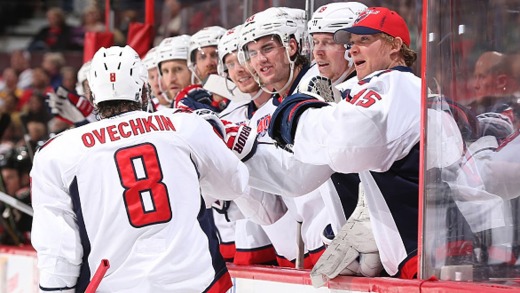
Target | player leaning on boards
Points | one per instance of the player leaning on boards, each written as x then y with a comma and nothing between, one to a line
276,223
334,62
127,189
375,132
272,49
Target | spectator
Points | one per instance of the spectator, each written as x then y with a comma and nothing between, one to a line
40,85
171,20
493,76
69,78
10,79
495,86
52,63
20,62
90,22
35,109
8,106
57,35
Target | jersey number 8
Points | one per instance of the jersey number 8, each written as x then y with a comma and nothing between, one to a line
141,176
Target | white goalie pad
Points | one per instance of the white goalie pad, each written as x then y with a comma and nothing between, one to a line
352,252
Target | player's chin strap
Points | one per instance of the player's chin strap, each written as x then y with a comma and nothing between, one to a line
348,71
341,78
257,94
194,75
163,92
347,57
232,90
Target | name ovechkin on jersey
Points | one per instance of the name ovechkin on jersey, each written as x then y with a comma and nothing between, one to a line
126,129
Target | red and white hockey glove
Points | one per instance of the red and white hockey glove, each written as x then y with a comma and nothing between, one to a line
241,139
69,106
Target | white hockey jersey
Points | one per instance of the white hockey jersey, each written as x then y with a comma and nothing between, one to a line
270,168
127,189
376,134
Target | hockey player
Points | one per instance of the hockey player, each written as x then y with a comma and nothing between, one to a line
382,113
172,56
332,59
203,56
284,226
126,188
202,61
157,97
333,62
271,44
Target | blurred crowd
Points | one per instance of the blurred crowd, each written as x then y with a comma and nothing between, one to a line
476,66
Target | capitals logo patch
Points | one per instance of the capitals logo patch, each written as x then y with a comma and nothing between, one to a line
364,14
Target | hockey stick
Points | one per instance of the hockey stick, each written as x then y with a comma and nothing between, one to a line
98,276
300,247
15,203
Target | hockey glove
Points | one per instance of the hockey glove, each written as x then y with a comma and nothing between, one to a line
214,120
285,118
195,97
69,106
241,139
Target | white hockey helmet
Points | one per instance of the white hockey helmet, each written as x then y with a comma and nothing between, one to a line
150,59
172,48
272,21
82,76
334,16
208,36
227,45
301,34
117,73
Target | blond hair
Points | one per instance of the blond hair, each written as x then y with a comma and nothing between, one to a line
409,55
